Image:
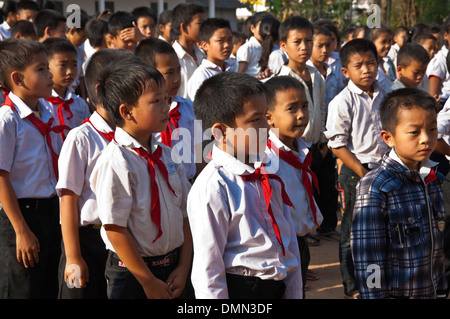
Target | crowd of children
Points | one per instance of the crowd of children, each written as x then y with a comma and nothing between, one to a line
173,157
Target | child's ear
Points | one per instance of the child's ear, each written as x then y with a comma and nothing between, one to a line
399,70
387,138
345,72
16,78
218,130
283,46
269,118
125,112
48,32
110,41
204,46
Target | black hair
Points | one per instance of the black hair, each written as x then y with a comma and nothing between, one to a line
58,45
97,64
96,29
24,27
47,18
258,17
330,26
221,98
124,83
119,21
321,30
246,28
84,19
183,13
140,12
16,55
445,28
294,23
419,28
399,30
356,46
373,34
421,38
269,33
210,25
406,98
165,17
27,5
148,50
358,30
238,36
348,31
8,6
412,52
279,84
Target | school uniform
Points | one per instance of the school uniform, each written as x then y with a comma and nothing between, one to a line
71,111
277,59
28,157
438,68
354,122
238,251
393,53
294,168
250,52
188,65
206,70
5,31
232,62
125,194
182,134
335,80
397,85
385,80
80,152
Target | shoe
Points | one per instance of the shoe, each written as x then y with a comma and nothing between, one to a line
312,240
332,236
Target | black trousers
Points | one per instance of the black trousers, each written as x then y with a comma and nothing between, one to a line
40,281
247,287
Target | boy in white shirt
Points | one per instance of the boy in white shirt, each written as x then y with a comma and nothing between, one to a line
29,228
67,108
10,18
141,193
216,40
354,137
186,22
244,240
287,116
83,249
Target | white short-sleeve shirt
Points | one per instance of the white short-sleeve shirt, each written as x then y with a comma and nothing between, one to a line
250,52
438,68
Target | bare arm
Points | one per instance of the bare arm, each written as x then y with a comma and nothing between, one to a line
442,147
350,160
242,66
434,87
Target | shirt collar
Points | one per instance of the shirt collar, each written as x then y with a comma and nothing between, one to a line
254,41
424,169
230,163
354,89
99,122
210,65
24,110
301,144
126,140
69,93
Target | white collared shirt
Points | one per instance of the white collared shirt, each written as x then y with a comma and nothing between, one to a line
250,52
80,111
316,125
5,31
393,53
424,168
438,68
188,66
277,59
354,122
292,177
443,122
206,70
232,232
397,85
121,182
24,151
184,138
79,153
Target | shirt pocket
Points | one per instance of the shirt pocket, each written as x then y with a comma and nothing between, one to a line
405,229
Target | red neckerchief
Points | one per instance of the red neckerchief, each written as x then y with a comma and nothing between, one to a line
166,136
153,159
109,136
293,160
44,129
62,104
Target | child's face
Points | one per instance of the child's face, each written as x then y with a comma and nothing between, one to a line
64,68
27,14
151,113
219,47
246,138
169,66
59,31
237,45
76,37
400,38
116,42
383,44
193,28
412,74
290,114
362,69
147,26
430,46
164,29
415,135
298,45
321,49
255,31
36,78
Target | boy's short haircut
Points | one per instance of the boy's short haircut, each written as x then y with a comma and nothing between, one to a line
183,13
405,98
412,52
330,26
140,12
16,55
422,38
58,45
24,27
27,5
47,18
279,84
321,30
356,46
84,19
119,21
294,23
221,98
210,25
165,17
374,33
124,83
96,29
148,49
238,36
9,6
399,30
97,63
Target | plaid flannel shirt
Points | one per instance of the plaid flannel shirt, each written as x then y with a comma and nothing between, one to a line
396,239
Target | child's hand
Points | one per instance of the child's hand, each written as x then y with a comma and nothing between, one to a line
76,273
158,289
177,281
132,34
27,248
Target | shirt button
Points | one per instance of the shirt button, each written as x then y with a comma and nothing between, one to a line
410,220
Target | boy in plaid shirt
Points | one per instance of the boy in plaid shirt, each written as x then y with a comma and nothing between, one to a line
397,240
